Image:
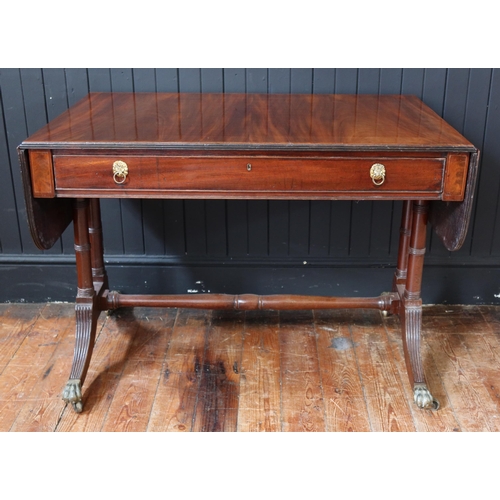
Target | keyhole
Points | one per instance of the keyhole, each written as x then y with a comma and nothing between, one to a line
249,166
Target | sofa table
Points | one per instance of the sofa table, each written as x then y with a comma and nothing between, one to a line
248,146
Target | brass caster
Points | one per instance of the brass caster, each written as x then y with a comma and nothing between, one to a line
78,407
73,394
423,398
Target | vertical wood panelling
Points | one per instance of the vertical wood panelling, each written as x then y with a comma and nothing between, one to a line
390,80
346,82
236,210
474,129
362,212
213,80
194,210
76,84
51,94
144,80
455,98
299,212
234,80
413,81
131,210
298,230
433,89
152,210
15,125
278,229
10,237
301,81
387,237
323,81
279,80
256,80
433,96
320,211
492,152
257,210
76,88
189,80
99,80
489,173
175,236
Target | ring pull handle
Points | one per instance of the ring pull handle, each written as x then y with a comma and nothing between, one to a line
120,171
377,173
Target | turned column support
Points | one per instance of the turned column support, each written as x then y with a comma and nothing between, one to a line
404,242
96,242
411,310
86,308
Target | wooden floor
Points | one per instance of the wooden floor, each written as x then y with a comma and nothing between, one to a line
191,370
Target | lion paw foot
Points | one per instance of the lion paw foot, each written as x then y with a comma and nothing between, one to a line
423,398
73,394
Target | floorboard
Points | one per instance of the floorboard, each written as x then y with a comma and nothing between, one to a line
168,370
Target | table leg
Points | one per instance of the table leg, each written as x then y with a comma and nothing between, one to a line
86,308
96,245
411,308
404,242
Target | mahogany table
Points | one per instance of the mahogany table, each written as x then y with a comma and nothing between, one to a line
248,146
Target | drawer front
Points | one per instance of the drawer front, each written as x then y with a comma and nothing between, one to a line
237,175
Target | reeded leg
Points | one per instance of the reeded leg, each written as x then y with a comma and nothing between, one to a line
411,310
86,308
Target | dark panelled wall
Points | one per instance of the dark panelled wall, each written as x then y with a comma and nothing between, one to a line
318,247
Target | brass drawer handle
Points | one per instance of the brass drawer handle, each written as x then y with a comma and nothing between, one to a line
120,171
377,173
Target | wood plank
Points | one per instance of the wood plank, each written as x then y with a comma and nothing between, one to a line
259,394
175,401
16,129
477,103
278,227
237,227
485,351
443,420
482,125
217,402
217,233
99,80
44,405
464,385
387,403
211,79
302,398
256,80
106,367
319,234
195,227
133,399
29,363
167,80
299,228
16,322
130,373
345,405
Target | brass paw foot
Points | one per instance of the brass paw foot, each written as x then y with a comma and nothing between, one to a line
73,394
423,398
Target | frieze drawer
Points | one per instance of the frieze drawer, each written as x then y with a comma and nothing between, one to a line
269,176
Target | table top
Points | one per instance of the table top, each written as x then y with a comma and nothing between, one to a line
250,121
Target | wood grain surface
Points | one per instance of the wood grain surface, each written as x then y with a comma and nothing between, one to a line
258,120
169,370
